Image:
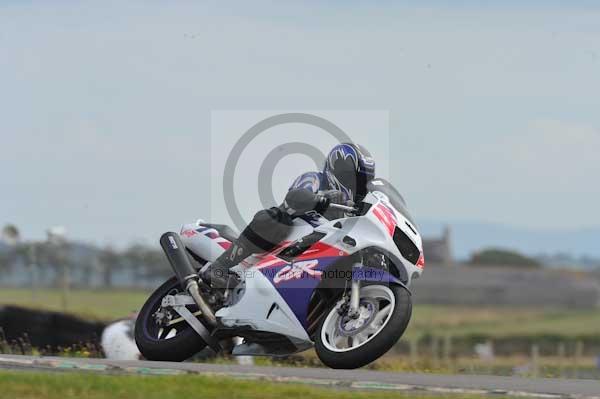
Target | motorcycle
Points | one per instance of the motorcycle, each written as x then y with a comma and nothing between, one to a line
340,286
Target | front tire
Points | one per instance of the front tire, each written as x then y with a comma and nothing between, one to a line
345,343
174,343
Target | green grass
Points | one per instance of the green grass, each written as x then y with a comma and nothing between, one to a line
104,304
38,385
455,321
501,321
436,319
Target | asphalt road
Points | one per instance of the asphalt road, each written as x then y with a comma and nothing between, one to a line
353,379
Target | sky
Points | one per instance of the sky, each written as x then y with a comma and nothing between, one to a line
112,113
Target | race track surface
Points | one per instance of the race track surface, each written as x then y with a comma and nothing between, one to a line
352,379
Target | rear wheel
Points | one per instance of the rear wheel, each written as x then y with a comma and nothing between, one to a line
343,342
161,334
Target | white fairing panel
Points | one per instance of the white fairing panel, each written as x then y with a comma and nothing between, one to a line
200,243
401,222
370,231
406,226
262,308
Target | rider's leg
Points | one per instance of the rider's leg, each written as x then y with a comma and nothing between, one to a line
265,232
262,234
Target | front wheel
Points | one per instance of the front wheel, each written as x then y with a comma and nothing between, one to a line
345,343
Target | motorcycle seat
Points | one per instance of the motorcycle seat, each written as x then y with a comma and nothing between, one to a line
224,231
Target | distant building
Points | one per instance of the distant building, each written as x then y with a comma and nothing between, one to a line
439,250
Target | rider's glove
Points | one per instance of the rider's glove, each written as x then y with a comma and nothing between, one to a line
331,197
322,204
300,201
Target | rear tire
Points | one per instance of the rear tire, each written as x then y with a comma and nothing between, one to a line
337,354
183,345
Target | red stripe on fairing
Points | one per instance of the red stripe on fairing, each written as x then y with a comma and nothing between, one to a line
316,251
224,244
270,260
321,250
188,233
385,217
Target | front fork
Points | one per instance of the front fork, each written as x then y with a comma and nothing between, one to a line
353,311
354,299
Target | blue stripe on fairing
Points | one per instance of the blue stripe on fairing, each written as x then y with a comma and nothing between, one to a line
297,292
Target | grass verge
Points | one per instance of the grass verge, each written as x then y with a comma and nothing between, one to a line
40,385
98,304
110,304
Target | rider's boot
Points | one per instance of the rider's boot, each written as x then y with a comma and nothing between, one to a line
218,273
262,234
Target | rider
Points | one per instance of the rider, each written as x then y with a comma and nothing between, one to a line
348,169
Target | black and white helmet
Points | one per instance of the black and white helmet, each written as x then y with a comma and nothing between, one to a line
349,168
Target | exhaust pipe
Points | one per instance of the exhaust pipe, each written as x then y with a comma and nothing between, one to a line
185,272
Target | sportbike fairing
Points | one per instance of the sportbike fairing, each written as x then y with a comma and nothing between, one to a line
278,286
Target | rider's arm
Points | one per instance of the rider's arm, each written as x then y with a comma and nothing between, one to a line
309,187
310,181
300,201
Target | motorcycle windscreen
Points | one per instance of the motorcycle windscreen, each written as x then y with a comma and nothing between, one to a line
396,199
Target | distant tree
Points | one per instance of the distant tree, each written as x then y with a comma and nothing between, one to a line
156,263
147,261
502,257
86,265
6,259
14,256
10,234
135,259
110,260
